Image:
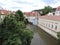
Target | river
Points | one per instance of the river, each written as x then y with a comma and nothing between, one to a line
41,37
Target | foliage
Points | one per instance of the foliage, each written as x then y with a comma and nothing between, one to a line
26,21
19,15
26,38
13,31
46,10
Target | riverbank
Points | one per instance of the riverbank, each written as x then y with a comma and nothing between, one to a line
41,37
47,37
36,38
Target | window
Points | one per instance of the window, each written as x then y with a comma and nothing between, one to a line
55,27
46,24
49,25
52,26
59,12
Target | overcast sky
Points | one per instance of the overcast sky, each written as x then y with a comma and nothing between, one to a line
28,5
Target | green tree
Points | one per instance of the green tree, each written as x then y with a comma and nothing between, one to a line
14,32
11,31
46,10
19,15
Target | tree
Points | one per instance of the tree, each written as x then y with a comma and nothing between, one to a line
19,15
10,31
14,32
46,10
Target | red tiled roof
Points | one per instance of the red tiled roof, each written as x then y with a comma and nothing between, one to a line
31,13
5,12
57,18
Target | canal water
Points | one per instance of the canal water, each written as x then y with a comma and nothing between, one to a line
41,37
46,37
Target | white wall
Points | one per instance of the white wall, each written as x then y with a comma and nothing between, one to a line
32,19
1,18
50,14
57,13
50,26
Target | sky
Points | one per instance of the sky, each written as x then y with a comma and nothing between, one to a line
27,5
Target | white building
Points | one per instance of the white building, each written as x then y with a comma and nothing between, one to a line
57,12
50,24
32,17
50,14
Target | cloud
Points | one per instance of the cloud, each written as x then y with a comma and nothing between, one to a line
56,4
27,5
52,3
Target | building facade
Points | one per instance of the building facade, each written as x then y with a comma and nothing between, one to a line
57,12
32,17
3,13
50,24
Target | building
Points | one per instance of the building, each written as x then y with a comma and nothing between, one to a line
57,12
50,24
50,14
32,16
3,13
